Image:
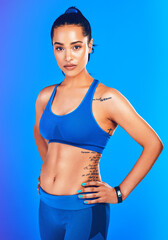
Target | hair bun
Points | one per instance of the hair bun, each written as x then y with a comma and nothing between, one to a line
71,10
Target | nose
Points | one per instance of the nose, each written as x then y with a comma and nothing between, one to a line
68,55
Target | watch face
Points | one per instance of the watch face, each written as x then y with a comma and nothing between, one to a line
119,193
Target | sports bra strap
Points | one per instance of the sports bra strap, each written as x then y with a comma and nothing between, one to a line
89,95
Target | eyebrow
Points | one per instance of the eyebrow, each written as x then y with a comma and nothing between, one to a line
71,43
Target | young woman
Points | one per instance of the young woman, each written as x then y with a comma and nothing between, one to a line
75,118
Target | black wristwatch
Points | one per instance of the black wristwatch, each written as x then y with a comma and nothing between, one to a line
119,196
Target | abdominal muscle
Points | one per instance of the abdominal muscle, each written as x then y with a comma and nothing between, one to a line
66,167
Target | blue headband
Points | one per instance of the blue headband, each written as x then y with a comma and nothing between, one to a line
71,10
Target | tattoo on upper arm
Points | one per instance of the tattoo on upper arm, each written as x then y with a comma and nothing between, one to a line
102,99
110,130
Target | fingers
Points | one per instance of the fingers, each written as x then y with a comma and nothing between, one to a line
38,186
38,189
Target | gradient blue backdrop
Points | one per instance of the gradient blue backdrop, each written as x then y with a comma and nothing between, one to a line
132,57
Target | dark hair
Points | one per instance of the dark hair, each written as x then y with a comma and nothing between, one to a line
73,16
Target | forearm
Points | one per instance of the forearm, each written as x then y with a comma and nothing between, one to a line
41,144
141,168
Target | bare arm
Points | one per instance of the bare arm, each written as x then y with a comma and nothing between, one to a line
41,143
123,113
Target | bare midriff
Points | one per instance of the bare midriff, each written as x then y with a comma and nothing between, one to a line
66,167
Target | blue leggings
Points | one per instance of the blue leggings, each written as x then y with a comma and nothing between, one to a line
67,217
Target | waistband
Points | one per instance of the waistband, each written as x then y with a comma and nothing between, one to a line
67,202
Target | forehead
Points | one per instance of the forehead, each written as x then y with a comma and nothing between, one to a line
68,33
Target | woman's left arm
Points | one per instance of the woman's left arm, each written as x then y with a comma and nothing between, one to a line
122,112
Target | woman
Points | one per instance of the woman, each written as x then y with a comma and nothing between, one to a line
74,121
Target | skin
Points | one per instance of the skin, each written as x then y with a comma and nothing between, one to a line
66,167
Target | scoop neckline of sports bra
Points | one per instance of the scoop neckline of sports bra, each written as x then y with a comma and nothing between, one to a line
55,91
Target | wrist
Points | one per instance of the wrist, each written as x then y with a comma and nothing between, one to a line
118,194
123,193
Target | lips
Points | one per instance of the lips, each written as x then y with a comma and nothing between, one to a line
72,65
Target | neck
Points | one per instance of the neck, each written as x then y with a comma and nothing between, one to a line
81,79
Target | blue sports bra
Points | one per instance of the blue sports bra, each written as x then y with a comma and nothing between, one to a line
78,128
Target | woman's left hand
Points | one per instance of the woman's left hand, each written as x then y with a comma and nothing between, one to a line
38,185
104,192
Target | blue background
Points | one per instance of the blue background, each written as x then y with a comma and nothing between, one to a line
131,56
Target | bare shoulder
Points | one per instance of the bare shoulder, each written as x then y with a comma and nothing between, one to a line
41,102
111,92
43,96
110,95
114,102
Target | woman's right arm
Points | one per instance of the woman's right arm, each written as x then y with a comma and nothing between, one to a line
41,143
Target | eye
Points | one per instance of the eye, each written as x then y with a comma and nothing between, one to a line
78,47
58,48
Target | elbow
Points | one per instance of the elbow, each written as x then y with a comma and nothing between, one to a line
155,145
158,146
161,146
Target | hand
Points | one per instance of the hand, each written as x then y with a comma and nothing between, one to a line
38,185
104,192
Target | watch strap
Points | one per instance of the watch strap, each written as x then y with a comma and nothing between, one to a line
119,195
